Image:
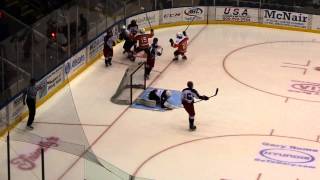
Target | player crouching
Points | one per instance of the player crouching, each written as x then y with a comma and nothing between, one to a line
109,42
182,44
154,50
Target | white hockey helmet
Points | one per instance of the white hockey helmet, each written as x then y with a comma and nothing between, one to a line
168,93
123,27
142,30
179,35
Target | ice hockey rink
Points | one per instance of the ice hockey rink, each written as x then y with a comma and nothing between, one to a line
262,125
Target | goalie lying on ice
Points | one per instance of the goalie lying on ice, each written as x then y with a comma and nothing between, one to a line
157,97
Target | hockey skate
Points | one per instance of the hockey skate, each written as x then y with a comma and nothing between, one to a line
184,57
175,59
193,128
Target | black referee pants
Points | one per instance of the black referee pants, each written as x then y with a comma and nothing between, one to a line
31,103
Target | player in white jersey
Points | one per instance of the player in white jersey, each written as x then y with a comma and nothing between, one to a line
187,98
109,42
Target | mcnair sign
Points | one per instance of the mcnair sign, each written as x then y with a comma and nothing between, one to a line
288,16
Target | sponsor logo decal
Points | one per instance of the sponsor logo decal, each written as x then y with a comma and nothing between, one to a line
172,15
194,12
27,162
236,14
286,18
283,15
309,88
288,155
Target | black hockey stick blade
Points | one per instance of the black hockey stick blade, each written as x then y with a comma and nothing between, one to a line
216,93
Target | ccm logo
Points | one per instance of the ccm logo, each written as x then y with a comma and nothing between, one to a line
287,156
193,11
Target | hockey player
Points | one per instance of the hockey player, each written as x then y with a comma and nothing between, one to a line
154,50
161,96
129,41
133,27
143,40
109,42
187,98
182,44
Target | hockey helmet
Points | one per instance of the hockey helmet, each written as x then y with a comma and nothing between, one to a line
123,27
109,32
133,21
142,30
190,84
179,35
168,93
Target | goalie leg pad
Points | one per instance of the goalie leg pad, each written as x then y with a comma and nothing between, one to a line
146,102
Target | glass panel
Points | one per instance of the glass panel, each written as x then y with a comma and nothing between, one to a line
181,3
226,3
115,11
202,2
105,170
278,5
249,3
164,4
133,7
96,17
39,63
46,38
86,26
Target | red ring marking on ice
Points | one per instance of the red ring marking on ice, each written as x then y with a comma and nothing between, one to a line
257,44
212,137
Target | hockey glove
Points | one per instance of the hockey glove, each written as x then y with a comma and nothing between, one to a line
184,33
171,41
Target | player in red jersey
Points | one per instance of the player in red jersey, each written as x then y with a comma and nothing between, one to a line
182,44
153,51
187,98
143,40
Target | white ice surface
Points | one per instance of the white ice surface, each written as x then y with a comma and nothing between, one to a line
135,135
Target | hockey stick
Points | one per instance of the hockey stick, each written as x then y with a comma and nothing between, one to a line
216,93
142,8
194,17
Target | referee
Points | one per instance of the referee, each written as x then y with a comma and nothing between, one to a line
29,96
